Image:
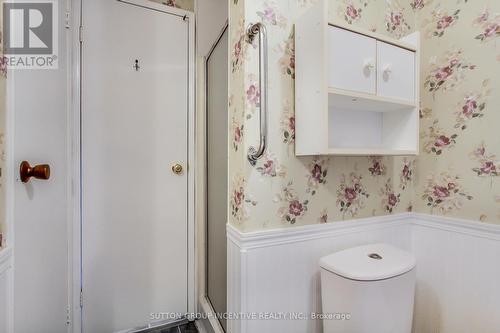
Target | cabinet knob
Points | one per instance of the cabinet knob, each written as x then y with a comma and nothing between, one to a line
387,71
369,64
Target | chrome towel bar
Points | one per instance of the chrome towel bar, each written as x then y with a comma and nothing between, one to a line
253,30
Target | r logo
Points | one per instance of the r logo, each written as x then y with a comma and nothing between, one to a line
28,28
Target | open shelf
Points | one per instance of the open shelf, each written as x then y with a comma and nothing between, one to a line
357,101
372,133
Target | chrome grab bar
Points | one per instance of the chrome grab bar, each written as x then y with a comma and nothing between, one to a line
253,29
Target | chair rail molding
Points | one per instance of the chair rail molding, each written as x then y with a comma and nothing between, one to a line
463,226
271,237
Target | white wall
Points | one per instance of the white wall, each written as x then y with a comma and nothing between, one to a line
457,270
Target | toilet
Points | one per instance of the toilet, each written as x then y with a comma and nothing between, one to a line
368,289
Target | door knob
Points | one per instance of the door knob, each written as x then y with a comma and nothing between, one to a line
177,169
26,171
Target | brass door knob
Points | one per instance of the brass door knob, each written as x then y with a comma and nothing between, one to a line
177,169
26,171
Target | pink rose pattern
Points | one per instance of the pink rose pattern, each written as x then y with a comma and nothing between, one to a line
239,47
287,123
287,61
239,199
440,21
446,73
317,172
270,15
445,193
489,164
351,194
395,21
271,167
489,25
351,11
418,4
237,131
377,167
253,95
472,106
292,208
406,174
390,199
436,140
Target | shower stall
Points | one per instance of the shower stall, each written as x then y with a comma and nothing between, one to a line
216,173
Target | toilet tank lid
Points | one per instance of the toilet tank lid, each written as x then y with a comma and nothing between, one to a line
369,262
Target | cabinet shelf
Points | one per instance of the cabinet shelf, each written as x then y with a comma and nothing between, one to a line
369,151
357,101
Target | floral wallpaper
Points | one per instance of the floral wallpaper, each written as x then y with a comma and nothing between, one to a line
283,190
457,171
182,4
3,78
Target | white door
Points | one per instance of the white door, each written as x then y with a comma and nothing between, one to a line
134,129
37,132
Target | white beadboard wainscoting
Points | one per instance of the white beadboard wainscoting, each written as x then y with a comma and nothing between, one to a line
5,290
277,272
458,270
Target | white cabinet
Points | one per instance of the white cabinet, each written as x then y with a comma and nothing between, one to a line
395,72
356,92
353,59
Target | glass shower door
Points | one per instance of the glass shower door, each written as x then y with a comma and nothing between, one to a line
217,143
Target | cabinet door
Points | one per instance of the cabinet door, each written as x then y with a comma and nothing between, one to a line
395,72
351,61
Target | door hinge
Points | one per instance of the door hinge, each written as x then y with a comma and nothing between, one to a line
81,298
80,33
67,19
68,316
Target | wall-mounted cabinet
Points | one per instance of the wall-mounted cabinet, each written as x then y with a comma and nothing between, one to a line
356,92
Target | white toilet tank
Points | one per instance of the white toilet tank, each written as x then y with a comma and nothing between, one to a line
368,289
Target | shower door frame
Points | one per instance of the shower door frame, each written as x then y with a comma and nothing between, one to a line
76,24
205,302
